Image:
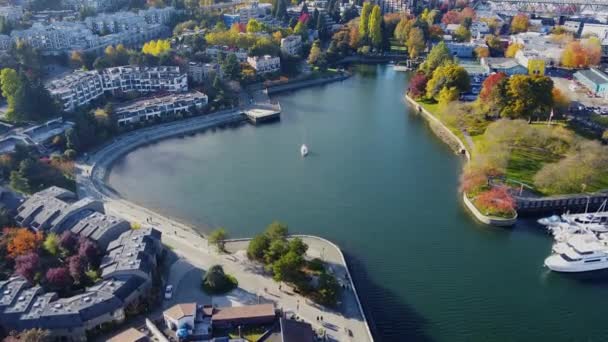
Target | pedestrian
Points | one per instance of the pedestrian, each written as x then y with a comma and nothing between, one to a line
321,318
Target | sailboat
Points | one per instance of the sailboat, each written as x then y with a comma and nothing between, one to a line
304,150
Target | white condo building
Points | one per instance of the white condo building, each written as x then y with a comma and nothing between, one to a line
265,64
82,87
158,107
199,72
291,45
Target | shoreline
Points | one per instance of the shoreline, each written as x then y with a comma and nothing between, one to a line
452,140
96,169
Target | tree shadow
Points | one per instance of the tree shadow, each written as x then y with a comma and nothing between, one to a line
388,316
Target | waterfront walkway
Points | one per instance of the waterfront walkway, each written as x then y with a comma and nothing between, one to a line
194,249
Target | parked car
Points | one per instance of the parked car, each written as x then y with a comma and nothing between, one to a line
169,292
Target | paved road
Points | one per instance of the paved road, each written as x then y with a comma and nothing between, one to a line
197,253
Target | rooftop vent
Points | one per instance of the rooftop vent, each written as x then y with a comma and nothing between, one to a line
87,299
58,306
21,298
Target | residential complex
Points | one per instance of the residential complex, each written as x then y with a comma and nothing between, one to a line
127,269
159,107
265,64
11,13
33,135
291,45
82,87
95,33
214,53
198,72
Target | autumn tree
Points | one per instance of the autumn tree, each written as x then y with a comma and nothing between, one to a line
495,44
496,201
27,266
415,42
24,242
448,95
447,76
156,47
451,17
582,54
462,34
88,250
315,53
417,87
528,96
59,277
68,241
482,52
364,21
51,244
375,30
493,91
253,26
520,23
77,267
218,238
512,49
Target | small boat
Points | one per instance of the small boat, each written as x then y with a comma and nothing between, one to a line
304,150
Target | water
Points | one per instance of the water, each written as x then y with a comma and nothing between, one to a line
382,186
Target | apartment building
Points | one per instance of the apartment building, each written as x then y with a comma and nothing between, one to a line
214,52
82,87
291,45
11,13
265,64
254,11
198,72
158,107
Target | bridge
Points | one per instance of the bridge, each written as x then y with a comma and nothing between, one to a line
561,7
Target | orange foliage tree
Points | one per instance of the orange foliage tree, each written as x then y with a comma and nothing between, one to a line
581,54
24,241
496,201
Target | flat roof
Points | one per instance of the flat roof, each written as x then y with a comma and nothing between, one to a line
129,335
247,311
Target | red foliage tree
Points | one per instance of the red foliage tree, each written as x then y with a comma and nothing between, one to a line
467,12
69,241
88,250
497,200
59,277
76,266
472,181
27,266
451,17
418,85
489,86
24,242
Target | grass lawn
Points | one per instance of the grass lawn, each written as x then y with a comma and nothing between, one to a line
524,163
251,334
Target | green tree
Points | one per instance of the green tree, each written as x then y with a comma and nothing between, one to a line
215,281
287,268
415,42
328,290
257,247
276,250
448,75
51,244
276,231
302,30
298,246
528,96
218,238
375,31
439,55
231,67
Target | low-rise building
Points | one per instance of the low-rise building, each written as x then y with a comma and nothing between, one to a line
198,72
214,53
180,316
265,64
291,45
531,60
159,107
101,228
508,66
462,50
594,80
598,30
242,315
11,13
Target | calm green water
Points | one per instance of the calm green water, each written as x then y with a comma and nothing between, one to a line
380,184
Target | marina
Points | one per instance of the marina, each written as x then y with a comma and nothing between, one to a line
355,188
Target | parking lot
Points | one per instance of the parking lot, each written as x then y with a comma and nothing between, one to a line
579,94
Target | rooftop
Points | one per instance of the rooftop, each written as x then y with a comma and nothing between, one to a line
241,312
596,76
129,335
179,311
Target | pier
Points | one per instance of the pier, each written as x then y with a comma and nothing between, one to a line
258,114
560,204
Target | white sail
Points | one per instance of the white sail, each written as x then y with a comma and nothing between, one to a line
304,150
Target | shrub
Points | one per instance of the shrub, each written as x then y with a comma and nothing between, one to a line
215,281
496,201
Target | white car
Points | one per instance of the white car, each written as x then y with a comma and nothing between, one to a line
169,292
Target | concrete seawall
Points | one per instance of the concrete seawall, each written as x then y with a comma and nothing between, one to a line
278,88
445,134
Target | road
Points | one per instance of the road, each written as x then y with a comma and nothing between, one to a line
194,250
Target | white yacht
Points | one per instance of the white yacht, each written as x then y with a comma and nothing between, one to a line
579,253
304,150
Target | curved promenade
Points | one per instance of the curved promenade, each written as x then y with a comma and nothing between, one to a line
191,245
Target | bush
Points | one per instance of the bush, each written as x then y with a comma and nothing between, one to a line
215,281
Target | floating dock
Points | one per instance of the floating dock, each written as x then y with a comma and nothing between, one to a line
259,115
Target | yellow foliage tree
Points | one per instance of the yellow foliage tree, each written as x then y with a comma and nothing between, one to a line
156,47
512,50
